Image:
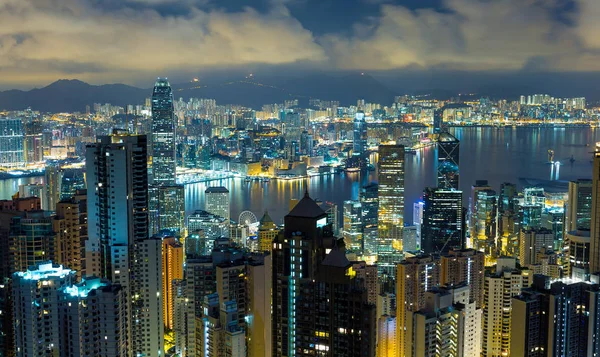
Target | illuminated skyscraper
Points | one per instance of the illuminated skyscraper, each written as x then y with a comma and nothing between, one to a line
465,266
438,120
595,222
163,134
172,269
217,201
267,231
11,142
448,161
485,220
70,230
443,221
391,207
360,137
579,205
352,227
118,246
369,200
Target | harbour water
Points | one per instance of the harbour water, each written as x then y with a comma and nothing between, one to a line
495,154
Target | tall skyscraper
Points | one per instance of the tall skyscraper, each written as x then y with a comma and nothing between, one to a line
391,207
118,246
163,134
485,220
369,200
448,161
359,147
217,201
579,205
70,230
595,221
352,227
11,142
443,221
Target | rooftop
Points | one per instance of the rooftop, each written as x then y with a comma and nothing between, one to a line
216,189
306,208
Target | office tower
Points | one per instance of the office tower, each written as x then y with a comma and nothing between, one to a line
531,243
508,194
579,205
418,209
485,220
72,181
352,227
163,134
410,239
267,231
465,266
530,216
11,143
369,200
438,120
167,209
85,319
500,287
595,219
443,221
448,161
507,212
415,276
31,240
359,139
53,182
118,246
70,229
172,270
204,228
221,334
345,320
391,207
480,185
448,325
297,254
557,318
578,253
217,201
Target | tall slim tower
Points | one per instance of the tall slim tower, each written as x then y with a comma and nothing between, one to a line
163,134
443,221
448,161
118,247
391,207
595,223
579,206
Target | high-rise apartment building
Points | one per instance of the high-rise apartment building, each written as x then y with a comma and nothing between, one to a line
11,142
352,226
500,288
443,221
118,246
448,325
163,134
221,335
531,244
217,201
31,240
465,266
84,319
556,318
391,208
448,161
415,276
172,270
369,200
204,229
70,232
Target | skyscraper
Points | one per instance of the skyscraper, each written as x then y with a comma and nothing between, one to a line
465,266
172,270
267,231
485,220
217,201
579,206
595,219
443,221
118,246
448,161
71,229
11,142
369,200
359,147
391,207
163,134
352,227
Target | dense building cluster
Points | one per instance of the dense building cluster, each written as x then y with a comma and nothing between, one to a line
101,259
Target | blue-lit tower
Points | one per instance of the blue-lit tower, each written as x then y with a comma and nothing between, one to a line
448,161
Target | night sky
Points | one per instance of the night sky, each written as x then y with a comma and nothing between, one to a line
134,41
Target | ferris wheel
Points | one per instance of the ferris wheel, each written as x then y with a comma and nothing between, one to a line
248,218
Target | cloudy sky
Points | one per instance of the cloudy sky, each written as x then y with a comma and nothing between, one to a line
133,41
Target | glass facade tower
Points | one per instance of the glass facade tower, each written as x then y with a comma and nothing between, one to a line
163,134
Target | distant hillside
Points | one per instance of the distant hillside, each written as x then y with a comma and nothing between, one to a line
74,95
